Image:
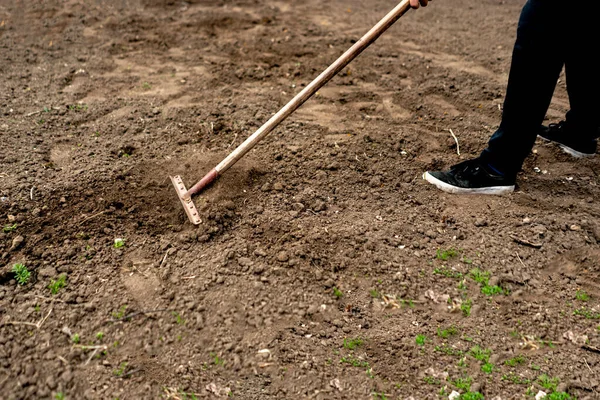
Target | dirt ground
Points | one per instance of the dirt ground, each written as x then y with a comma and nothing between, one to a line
325,267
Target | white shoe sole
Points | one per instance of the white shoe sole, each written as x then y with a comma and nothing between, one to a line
567,149
494,190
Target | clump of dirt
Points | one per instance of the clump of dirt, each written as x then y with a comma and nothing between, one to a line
324,266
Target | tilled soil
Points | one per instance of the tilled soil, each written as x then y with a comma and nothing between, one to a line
325,267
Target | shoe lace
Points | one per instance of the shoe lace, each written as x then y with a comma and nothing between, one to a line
467,168
557,126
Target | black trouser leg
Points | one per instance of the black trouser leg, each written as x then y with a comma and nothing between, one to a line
537,60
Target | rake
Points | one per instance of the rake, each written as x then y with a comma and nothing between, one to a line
185,195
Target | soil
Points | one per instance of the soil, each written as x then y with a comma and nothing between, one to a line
325,267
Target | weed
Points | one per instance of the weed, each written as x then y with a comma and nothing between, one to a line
462,285
488,368
75,338
9,228
374,293
430,380
37,308
178,319
516,379
559,396
380,396
462,384
513,362
471,396
146,86
466,307
369,373
479,276
119,314
548,383
119,243
337,293
352,344
535,367
22,274
582,296
59,396
462,363
408,303
354,362
446,333
99,335
446,254
421,339
480,354
119,371
447,272
515,333
56,285
491,290
589,314
78,107
451,351
467,260
218,361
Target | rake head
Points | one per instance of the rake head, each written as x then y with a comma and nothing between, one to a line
186,200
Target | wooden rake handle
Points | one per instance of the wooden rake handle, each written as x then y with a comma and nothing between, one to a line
303,96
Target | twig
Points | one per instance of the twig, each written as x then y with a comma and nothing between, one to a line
164,258
132,372
522,263
525,242
233,141
93,216
37,325
456,140
588,365
32,113
31,193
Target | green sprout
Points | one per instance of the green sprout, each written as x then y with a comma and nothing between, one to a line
22,274
9,228
119,243
56,285
421,339
337,293
352,344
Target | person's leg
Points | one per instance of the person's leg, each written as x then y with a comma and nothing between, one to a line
581,69
537,60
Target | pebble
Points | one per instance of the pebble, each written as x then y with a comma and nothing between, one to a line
260,253
17,242
282,256
337,323
47,272
278,186
479,222
375,182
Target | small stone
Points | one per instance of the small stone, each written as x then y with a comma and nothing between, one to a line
575,227
260,253
156,111
11,218
63,200
266,187
479,222
282,256
244,261
337,323
278,186
47,272
17,242
375,182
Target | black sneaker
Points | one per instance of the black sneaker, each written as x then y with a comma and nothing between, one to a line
568,141
471,177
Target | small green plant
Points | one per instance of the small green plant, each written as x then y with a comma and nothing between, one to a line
9,228
338,293
465,307
446,333
99,335
56,285
488,368
513,362
491,290
352,344
37,308
370,373
59,396
479,276
462,384
178,319
355,362
120,313
451,351
420,340
589,314
480,354
548,383
559,396
447,272
582,296
374,293
380,396
471,396
430,380
75,338
444,255
22,274
516,379
119,243
218,361
119,371
146,86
